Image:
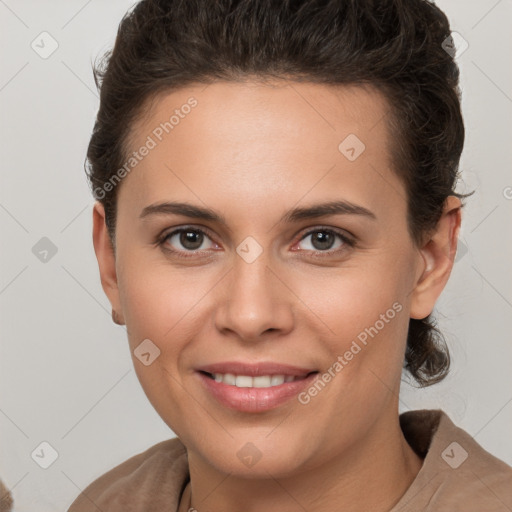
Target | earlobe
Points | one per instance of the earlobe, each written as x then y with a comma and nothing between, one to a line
438,256
106,258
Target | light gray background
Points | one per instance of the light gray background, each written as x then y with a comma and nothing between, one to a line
66,376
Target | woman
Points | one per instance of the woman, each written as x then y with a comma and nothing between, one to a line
276,218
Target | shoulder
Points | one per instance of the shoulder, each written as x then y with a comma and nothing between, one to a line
151,480
457,473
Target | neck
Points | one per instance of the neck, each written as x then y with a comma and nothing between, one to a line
372,475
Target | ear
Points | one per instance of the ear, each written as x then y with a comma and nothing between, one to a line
438,255
106,258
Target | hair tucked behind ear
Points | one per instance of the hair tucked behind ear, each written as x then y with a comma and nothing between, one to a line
394,45
426,356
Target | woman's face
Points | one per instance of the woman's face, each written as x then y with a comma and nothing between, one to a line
264,279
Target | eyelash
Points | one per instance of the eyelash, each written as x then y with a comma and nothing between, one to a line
161,240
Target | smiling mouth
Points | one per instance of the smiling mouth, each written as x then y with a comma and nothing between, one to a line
260,381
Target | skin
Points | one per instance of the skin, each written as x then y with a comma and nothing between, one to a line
251,152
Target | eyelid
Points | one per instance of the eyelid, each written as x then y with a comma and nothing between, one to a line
341,232
166,233
347,238
176,229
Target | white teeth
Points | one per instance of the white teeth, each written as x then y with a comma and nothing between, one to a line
246,381
276,380
228,378
262,381
243,381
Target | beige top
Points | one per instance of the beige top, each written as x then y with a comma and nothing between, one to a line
457,474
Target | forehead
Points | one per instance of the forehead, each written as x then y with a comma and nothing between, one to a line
258,140
259,109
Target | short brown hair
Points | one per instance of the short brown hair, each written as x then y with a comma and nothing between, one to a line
393,45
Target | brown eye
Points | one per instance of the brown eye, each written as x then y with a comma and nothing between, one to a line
325,240
191,240
186,240
322,240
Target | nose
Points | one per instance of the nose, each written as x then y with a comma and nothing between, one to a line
255,302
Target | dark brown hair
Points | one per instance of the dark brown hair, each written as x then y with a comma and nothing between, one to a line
393,45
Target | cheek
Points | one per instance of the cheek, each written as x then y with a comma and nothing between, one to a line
161,306
349,300
156,300
363,324
362,316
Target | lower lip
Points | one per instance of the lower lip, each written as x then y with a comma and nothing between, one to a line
254,399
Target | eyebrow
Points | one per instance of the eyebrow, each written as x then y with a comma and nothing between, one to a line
294,215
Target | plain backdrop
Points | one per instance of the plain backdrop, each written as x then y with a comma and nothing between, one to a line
66,375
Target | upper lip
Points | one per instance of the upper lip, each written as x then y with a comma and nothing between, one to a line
256,369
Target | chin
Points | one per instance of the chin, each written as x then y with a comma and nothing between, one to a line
255,460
